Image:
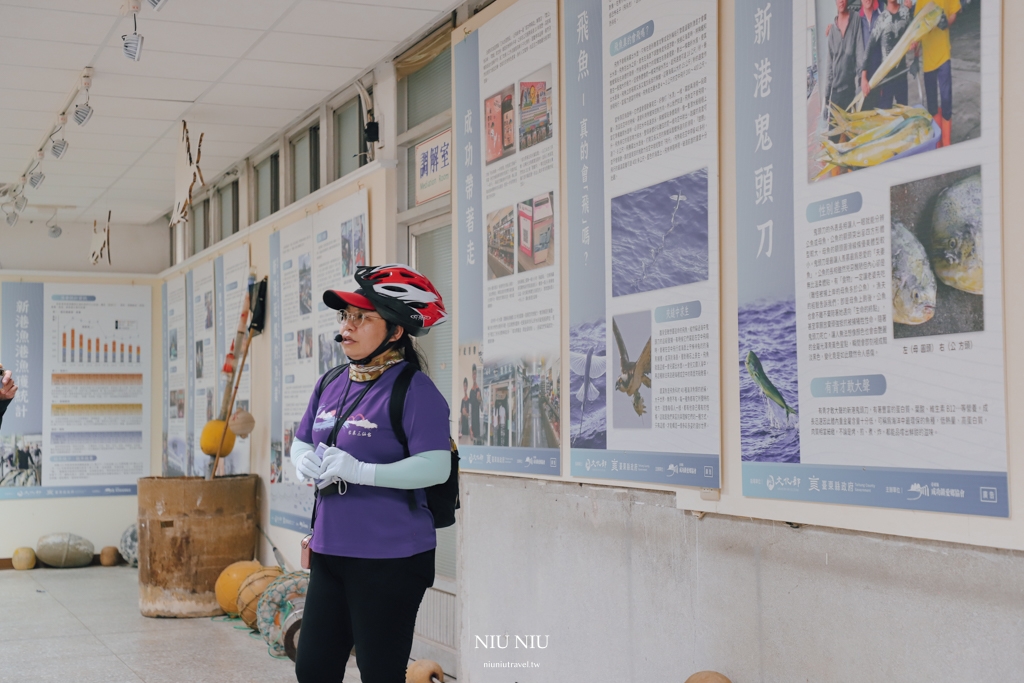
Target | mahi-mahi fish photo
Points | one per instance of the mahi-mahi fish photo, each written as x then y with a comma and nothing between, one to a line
938,256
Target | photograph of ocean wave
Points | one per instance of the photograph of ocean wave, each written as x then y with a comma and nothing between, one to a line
588,399
660,235
768,432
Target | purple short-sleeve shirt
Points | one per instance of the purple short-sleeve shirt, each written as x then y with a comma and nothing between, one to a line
374,521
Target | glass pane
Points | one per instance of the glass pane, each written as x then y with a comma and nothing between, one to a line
429,90
199,227
347,137
264,188
300,157
227,210
434,259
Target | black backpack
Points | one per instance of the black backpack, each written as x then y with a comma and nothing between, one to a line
443,498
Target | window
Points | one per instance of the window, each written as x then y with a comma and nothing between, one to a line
429,90
268,186
306,163
200,226
228,209
349,141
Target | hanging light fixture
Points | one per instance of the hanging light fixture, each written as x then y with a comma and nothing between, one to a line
83,112
54,230
157,5
133,43
35,180
20,203
59,147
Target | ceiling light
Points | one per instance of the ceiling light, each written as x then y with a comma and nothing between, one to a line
133,42
20,203
157,4
36,179
59,148
12,219
83,112
54,231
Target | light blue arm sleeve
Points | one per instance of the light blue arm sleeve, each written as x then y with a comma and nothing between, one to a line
415,472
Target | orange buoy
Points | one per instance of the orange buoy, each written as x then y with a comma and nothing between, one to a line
230,580
250,591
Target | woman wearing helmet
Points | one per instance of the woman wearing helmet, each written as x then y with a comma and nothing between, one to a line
373,544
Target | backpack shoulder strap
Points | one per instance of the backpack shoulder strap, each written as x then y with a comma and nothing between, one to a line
329,376
396,405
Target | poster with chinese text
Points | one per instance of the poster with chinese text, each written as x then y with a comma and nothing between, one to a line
232,278
869,254
175,460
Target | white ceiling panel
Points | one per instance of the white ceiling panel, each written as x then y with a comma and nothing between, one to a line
195,39
40,79
154,173
71,167
131,183
252,14
201,112
86,138
14,151
324,50
68,182
130,107
32,100
161,64
45,53
147,87
18,123
264,96
345,20
104,7
104,123
251,135
98,156
64,27
256,72
158,159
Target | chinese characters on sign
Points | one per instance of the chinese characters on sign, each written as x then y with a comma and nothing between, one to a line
434,167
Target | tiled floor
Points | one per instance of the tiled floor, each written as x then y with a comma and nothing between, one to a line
84,625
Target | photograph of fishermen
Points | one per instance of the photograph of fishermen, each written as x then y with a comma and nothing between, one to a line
888,79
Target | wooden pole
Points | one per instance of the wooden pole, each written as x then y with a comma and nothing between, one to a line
234,393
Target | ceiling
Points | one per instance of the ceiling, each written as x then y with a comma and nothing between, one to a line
238,70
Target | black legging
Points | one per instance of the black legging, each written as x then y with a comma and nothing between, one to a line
368,603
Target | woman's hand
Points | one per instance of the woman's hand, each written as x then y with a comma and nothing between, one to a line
305,460
338,464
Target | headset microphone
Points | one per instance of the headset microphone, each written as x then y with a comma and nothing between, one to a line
338,338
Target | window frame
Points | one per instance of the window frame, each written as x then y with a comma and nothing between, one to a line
275,182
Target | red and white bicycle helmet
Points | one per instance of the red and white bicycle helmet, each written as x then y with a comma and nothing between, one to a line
400,294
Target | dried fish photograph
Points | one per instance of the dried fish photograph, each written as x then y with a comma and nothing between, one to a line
660,235
938,257
888,79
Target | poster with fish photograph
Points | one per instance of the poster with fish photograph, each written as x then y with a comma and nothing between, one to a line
869,254
642,195
508,205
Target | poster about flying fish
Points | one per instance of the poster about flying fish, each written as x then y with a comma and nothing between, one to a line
508,398
642,196
869,254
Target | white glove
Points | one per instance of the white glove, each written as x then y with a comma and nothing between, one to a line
305,460
338,464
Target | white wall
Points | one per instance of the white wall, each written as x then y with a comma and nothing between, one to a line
134,248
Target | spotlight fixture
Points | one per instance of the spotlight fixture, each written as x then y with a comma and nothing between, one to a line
20,203
35,180
59,147
12,219
157,5
83,112
133,43
54,230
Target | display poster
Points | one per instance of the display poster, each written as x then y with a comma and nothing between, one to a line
80,422
204,367
869,254
318,253
643,240
508,386
231,273
175,363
